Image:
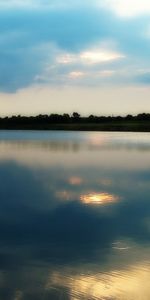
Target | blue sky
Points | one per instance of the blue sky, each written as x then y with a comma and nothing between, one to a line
61,56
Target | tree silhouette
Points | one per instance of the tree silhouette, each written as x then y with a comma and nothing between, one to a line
140,122
76,115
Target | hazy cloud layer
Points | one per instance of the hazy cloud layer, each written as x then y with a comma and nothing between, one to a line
68,43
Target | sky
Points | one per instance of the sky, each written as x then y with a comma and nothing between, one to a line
60,56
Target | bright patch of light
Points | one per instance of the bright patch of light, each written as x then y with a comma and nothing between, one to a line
76,74
89,57
98,198
128,283
128,8
93,57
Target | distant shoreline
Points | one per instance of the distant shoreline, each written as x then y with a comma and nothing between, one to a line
75,122
85,127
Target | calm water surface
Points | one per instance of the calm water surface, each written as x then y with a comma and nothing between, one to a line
74,216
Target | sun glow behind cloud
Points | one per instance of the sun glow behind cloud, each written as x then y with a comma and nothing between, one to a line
90,57
104,51
128,8
123,8
93,57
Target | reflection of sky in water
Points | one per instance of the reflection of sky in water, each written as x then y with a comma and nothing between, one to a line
98,198
74,215
116,284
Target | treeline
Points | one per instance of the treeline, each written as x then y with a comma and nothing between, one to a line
77,122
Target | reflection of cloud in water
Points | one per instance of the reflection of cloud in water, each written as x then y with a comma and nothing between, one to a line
95,139
92,198
44,155
60,212
74,180
98,198
124,275
120,245
65,195
126,284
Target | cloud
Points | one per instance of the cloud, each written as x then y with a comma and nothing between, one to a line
144,77
42,4
90,57
24,4
31,40
122,8
128,8
76,74
46,45
100,99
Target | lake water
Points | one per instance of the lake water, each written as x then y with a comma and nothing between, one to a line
74,216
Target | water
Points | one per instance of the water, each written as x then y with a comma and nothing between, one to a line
74,216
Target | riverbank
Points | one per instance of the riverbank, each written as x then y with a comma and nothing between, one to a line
133,127
75,122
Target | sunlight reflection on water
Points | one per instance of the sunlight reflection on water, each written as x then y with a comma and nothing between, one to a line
74,216
98,198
